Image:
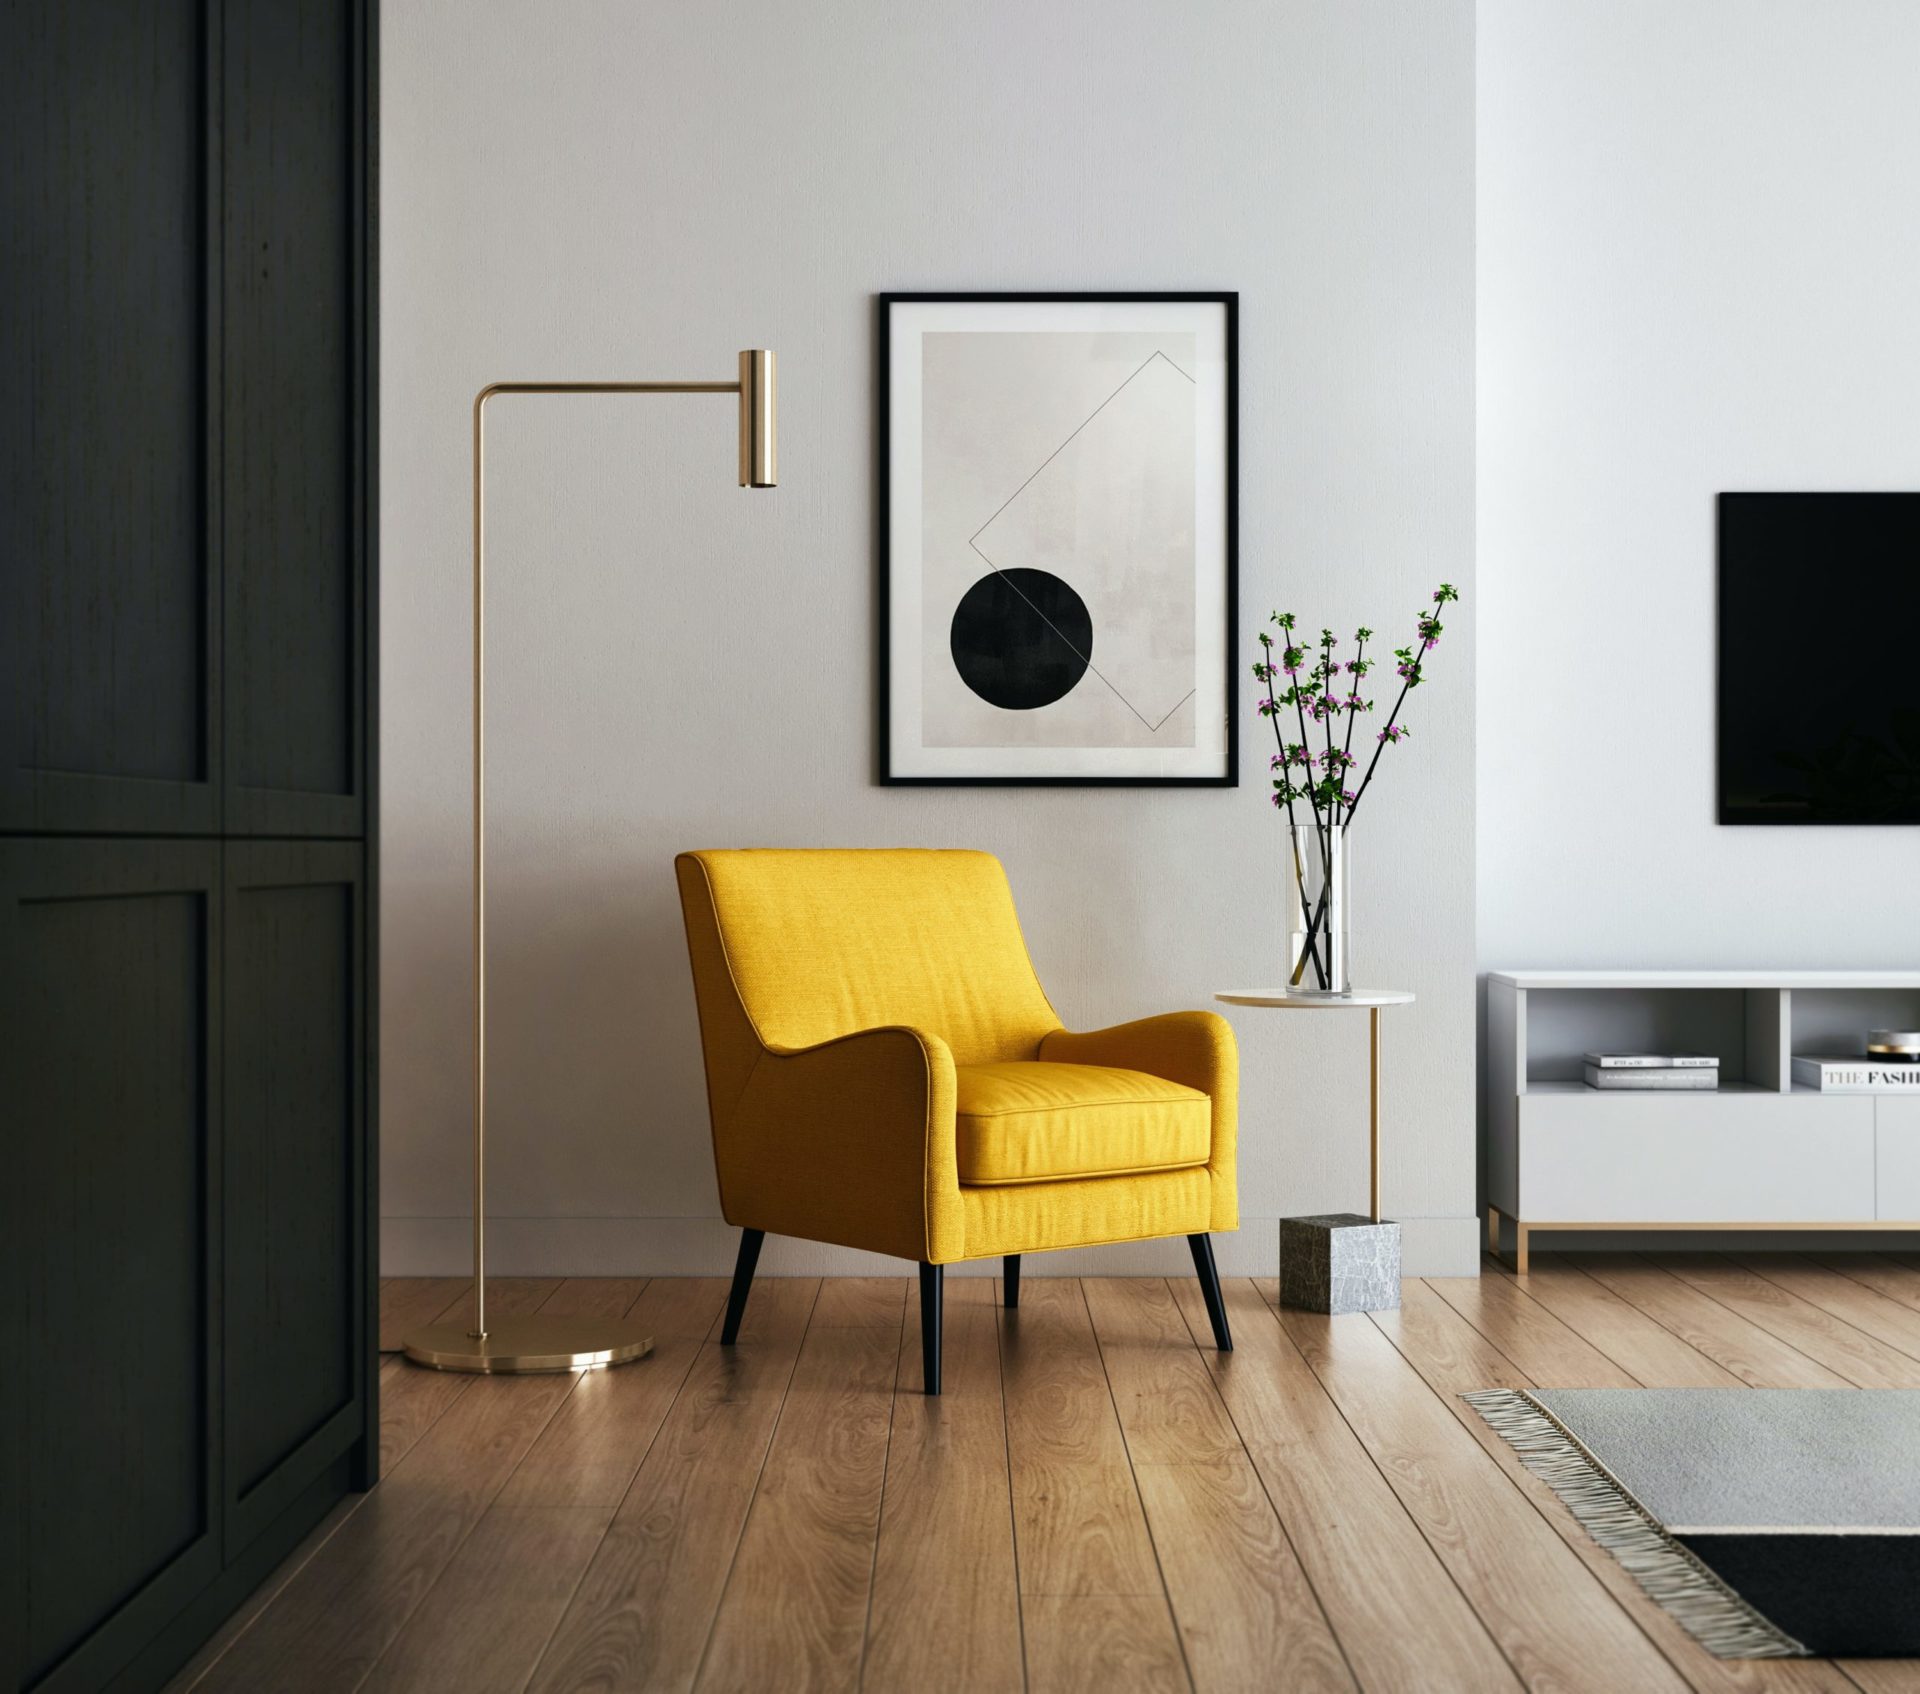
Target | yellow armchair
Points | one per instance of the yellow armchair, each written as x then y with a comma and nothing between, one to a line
884,1071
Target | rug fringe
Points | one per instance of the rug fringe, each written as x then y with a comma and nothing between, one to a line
1704,1606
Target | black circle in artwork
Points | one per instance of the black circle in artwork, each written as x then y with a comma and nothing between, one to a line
1021,639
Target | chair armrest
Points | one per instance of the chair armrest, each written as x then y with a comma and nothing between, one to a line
849,1142
1195,1049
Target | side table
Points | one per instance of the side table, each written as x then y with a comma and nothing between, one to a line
1340,1261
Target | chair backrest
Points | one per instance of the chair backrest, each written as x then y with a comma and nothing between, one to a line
817,943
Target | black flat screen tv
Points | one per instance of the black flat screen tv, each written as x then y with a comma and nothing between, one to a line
1819,690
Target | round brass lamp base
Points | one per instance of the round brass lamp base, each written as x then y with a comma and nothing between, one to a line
531,1343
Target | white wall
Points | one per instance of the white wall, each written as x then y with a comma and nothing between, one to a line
576,190
1698,254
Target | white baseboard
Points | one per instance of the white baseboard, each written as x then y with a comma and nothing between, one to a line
706,1247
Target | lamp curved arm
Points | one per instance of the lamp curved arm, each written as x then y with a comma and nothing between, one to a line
755,386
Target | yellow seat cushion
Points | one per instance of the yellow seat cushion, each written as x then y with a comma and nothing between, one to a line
1029,1122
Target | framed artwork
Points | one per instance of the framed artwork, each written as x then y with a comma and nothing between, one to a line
1058,522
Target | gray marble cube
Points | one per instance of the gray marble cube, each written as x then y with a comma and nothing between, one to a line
1340,1262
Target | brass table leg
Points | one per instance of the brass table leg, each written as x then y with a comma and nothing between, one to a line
1373,1112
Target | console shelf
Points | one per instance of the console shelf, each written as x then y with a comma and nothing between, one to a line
1755,1154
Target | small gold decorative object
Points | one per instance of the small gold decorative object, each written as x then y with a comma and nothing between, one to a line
535,1342
1894,1046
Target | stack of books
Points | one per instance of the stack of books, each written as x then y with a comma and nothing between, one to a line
1856,1076
1651,1071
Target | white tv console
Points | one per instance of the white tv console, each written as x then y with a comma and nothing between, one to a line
1756,1154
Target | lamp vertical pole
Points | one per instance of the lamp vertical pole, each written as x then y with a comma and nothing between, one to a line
537,1342
479,1330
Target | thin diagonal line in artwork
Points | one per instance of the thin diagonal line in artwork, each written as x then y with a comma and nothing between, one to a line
1085,659
1104,404
1184,698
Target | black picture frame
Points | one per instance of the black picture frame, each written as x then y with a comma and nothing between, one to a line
1229,302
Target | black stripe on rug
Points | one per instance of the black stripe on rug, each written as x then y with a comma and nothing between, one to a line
1767,1522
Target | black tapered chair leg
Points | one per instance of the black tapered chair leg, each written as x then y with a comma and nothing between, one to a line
1203,1267
932,1285
1010,1280
750,1240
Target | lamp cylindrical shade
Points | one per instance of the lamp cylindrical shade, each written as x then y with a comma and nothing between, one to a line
757,456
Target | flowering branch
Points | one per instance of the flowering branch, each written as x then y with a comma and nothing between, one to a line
1357,668
1324,778
1427,627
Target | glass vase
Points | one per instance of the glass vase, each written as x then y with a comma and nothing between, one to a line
1317,916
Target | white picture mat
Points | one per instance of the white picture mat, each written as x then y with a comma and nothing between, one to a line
1206,323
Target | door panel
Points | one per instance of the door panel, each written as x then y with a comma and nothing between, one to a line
109,1070
295,1253
108,616
294,571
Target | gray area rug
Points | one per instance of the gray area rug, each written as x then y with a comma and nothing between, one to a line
1768,1522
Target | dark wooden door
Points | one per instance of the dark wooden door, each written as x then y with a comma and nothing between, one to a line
110,1071
294,325
110,421
184,457
297,1348
186,804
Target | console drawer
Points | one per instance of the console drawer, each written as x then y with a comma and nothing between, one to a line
1897,1161
1741,1156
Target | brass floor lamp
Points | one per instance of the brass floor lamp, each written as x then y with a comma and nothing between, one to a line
534,1342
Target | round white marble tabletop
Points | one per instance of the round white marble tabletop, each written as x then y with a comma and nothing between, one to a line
1359,1000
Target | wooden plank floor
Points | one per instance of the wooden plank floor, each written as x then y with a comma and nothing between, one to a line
1099,1501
